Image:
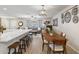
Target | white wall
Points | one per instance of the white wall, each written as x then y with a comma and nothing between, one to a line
4,22
71,30
11,23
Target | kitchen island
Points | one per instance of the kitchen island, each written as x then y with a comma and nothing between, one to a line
11,36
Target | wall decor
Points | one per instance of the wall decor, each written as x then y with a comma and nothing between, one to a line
62,18
75,10
75,19
55,22
67,17
20,23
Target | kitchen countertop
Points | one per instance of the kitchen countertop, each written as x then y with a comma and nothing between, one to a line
12,34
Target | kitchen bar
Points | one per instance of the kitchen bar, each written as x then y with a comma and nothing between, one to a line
9,37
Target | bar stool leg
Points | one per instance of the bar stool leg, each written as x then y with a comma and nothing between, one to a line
20,49
9,51
15,51
42,46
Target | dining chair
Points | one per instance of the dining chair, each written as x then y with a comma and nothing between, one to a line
58,46
45,42
63,34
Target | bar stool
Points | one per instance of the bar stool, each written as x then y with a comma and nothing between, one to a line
22,45
30,36
13,46
27,41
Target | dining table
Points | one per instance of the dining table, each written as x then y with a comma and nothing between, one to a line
53,38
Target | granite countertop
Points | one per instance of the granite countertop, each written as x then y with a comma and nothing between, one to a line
10,35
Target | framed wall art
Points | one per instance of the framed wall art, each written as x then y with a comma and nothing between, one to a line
55,22
62,18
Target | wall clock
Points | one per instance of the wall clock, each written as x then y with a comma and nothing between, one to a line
67,17
75,19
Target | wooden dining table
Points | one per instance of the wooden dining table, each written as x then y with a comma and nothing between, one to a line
53,38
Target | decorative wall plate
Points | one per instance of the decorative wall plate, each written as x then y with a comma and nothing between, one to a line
67,17
55,22
75,11
75,19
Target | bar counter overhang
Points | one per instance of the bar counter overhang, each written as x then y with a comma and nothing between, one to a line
9,37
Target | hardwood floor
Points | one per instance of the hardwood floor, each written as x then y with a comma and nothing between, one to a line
36,47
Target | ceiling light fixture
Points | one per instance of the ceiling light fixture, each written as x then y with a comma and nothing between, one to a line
43,11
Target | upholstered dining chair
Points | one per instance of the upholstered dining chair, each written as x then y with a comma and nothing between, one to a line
63,34
45,42
58,46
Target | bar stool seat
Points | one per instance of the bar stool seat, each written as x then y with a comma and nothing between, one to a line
13,46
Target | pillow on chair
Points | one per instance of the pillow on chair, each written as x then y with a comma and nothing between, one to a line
57,47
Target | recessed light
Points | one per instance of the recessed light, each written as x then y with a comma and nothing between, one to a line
4,9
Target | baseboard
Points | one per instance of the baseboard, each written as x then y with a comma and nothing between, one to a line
77,51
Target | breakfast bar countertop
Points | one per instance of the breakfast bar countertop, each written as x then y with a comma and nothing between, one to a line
10,35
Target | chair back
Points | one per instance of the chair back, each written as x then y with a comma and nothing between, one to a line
61,43
42,35
63,34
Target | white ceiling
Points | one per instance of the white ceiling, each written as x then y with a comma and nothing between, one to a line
32,10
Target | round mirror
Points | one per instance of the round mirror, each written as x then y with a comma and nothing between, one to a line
20,23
